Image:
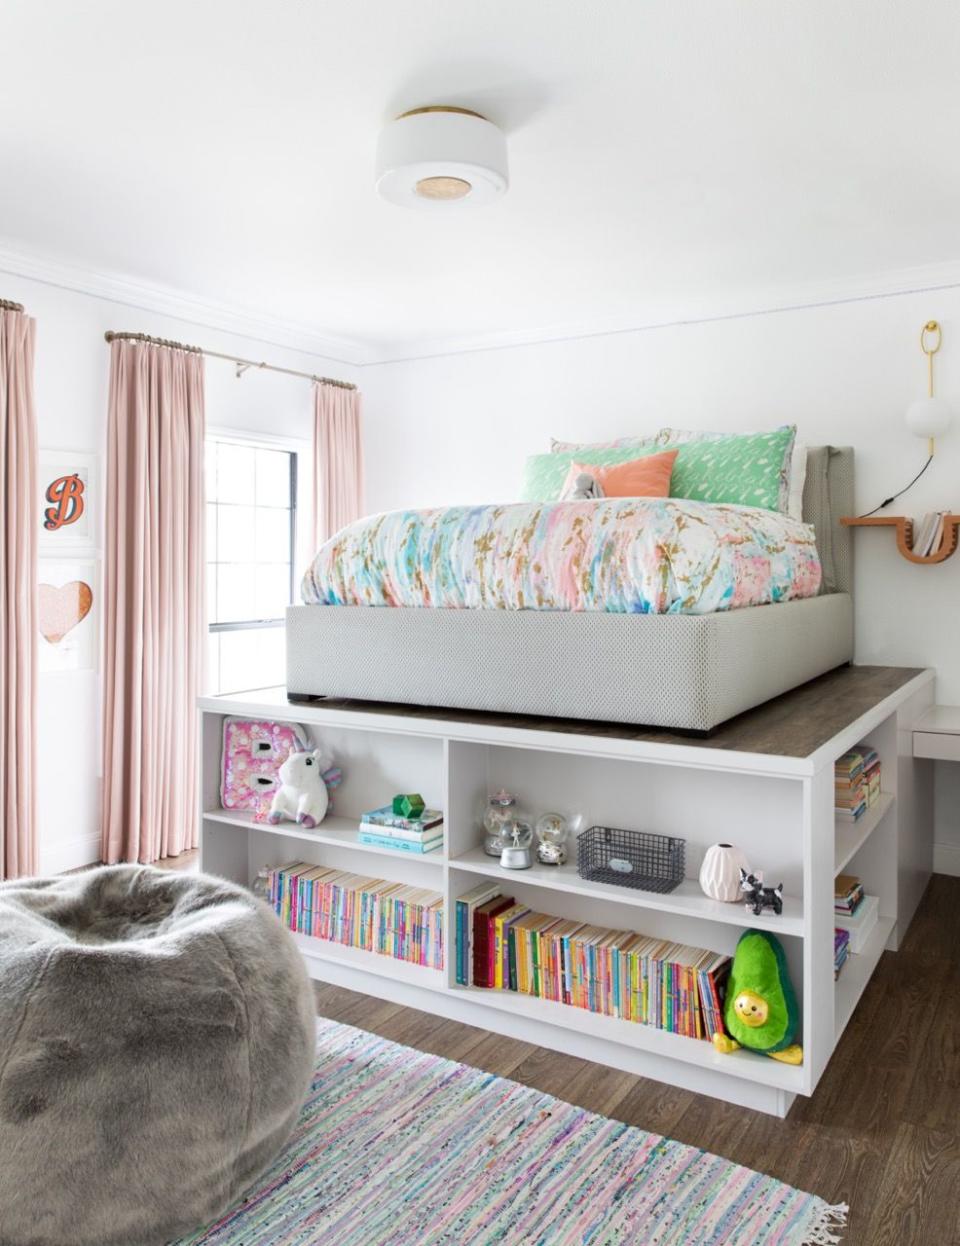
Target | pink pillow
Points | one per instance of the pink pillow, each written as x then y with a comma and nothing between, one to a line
648,477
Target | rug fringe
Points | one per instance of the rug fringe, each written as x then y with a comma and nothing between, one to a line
821,1233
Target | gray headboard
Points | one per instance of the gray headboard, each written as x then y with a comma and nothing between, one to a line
827,495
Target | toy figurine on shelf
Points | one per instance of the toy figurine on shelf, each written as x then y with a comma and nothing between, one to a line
759,897
516,836
303,796
760,1011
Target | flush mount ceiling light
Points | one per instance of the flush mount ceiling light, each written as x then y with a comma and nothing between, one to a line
435,158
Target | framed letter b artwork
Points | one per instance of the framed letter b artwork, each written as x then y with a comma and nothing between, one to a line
67,502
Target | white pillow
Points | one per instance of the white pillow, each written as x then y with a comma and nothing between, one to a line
798,461
618,443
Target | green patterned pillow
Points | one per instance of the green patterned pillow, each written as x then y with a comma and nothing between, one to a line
749,469
752,469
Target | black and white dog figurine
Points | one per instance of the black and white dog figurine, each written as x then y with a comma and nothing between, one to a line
760,897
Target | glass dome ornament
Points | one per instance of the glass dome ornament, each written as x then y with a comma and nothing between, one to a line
499,809
516,837
552,833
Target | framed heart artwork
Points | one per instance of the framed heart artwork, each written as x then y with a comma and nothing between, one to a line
68,600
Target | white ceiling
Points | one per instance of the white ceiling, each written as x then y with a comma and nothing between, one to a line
665,154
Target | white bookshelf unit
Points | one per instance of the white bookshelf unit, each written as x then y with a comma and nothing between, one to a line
743,785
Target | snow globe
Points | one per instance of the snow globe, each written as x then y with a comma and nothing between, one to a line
552,833
499,810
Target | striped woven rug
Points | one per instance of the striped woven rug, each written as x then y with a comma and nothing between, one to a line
398,1148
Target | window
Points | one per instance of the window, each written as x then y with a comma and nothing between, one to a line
251,554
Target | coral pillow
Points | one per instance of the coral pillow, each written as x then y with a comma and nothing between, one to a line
648,477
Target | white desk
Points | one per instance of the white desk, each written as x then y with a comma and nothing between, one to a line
937,733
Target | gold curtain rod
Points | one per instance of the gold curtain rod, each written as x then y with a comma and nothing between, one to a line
7,305
242,364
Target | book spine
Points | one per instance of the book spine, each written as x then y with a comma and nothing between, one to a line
399,845
396,832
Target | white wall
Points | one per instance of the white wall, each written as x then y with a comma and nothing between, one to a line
72,372
457,428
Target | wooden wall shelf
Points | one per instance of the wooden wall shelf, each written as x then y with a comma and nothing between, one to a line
904,527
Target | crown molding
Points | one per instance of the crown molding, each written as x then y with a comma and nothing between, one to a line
927,279
662,314
166,301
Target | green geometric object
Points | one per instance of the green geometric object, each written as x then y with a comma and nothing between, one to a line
409,806
760,968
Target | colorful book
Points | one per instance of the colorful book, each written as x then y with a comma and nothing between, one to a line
465,907
621,974
371,914
841,948
396,832
482,932
848,893
386,818
420,846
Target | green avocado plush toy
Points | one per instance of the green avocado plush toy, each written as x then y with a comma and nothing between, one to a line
760,1011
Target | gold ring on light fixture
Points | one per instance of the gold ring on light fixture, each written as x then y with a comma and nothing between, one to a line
464,112
932,326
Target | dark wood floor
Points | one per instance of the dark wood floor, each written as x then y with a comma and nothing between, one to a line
882,1133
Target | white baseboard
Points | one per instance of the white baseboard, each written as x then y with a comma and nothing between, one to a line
946,859
71,854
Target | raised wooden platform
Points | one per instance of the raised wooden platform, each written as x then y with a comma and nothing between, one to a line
793,725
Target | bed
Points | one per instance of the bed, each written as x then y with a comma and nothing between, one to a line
682,658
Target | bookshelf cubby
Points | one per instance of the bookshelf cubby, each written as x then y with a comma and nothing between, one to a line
777,807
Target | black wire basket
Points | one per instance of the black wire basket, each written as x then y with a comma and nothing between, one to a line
638,859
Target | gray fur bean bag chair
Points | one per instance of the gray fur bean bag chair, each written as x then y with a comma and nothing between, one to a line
157,1037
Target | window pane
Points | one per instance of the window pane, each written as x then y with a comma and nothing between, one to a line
272,656
212,593
211,536
252,659
236,477
272,542
212,672
272,591
236,594
236,527
273,478
238,661
210,470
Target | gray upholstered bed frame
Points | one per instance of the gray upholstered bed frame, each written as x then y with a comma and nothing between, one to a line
689,672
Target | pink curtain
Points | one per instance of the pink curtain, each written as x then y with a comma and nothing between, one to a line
337,459
154,602
20,518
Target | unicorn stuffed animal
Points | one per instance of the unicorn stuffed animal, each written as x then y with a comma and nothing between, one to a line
302,795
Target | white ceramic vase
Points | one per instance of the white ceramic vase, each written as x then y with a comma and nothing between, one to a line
720,872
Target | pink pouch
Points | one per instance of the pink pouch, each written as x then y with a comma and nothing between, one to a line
253,752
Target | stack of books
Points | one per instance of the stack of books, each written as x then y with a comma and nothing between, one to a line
871,773
849,789
859,924
503,945
367,913
841,946
847,895
928,534
856,782
385,829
